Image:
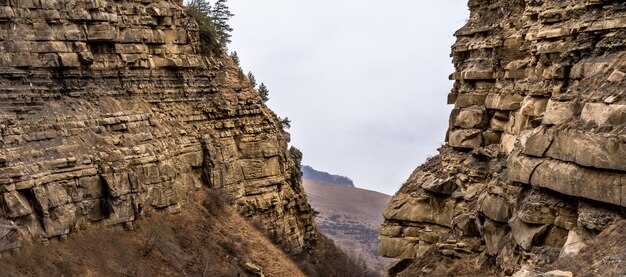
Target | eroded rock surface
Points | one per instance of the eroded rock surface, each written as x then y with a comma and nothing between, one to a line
536,149
108,112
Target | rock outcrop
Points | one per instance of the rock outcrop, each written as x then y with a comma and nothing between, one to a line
109,112
535,160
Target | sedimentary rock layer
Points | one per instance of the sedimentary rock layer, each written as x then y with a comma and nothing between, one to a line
536,148
108,112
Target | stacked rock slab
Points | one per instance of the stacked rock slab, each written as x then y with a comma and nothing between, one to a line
535,159
108,112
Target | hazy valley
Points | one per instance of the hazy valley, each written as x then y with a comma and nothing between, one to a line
350,216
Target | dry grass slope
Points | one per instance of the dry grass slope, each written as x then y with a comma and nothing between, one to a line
207,239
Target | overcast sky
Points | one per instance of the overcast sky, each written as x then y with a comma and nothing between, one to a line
364,83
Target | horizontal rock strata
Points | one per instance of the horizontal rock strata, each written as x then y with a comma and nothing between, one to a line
108,112
535,160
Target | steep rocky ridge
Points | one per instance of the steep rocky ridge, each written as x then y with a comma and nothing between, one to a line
534,165
109,113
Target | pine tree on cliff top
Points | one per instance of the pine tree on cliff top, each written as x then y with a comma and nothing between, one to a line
201,11
264,92
212,22
252,79
220,15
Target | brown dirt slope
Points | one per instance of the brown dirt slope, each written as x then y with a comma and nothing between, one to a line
350,216
208,238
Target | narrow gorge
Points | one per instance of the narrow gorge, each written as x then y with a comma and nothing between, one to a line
534,165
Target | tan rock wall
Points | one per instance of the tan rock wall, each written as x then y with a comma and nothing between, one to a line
108,113
536,137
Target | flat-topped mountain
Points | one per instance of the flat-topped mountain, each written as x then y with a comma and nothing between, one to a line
308,173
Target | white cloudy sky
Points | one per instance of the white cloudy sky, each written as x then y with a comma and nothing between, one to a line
364,83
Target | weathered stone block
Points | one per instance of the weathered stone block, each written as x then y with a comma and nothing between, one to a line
399,248
533,106
469,99
495,207
525,234
517,123
558,113
471,118
573,180
554,72
390,231
259,168
257,148
194,159
117,184
404,207
102,32
520,167
601,113
69,60
478,74
466,138
440,185
611,23
17,205
538,141
91,187
504,102
603,151
131,48
499,120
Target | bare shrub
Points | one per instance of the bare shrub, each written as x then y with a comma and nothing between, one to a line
152,239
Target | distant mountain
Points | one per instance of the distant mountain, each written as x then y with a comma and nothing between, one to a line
308,173
351,217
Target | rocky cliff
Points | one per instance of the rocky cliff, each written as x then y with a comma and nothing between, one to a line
108,113
535,160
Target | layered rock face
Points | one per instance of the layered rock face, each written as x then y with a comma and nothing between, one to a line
108,112
535,161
